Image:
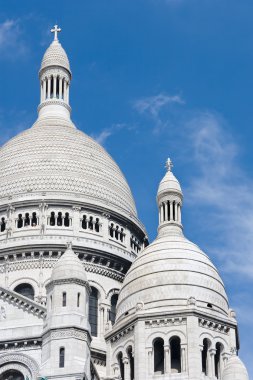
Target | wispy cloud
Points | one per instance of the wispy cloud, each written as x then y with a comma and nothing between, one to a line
11,42
153,105
103,136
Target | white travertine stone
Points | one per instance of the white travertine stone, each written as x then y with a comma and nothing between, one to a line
235,369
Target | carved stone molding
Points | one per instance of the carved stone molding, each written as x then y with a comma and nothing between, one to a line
20,359
215,326
122,333
177,321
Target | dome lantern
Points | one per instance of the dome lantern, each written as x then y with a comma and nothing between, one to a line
55,77
169,199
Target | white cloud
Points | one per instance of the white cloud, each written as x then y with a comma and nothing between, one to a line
11,43
102,137
153,105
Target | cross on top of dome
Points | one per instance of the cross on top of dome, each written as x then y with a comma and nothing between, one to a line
169,165
56,30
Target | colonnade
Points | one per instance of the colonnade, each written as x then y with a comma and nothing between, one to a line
55,87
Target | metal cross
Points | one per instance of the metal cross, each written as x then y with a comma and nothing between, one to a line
56,30
169,165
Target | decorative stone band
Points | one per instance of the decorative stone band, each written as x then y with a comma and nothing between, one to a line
66,333
20,345
215,326
54,102
20,359
122,333
22,302
68,281
165,322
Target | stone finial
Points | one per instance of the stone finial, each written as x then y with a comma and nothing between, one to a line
55,30
69,244
169,165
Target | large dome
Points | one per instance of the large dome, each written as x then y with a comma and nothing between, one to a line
56,158
171,271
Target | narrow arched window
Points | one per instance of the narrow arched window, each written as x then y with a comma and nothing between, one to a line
175,354
111,230
84,222
117,233
122,235
59,219
66,220
27,219
62,357
52,219
51,302
97,225
93,311
46,82
217,360
20,221
34,219
78,299
57,87
131,362
52,87
64,299
91,223
159,355
3,224
206,346
114,300
121,366
25,290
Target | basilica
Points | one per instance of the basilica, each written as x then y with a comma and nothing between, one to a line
83,294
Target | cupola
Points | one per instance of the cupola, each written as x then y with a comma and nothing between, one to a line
169,199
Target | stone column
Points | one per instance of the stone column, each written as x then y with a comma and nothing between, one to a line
176,214
162,213
183,358
44,90
150,361
49,87
211,370
179,213
126,368
76,219
54,89
171,210
67,93
167,359
60,88
166,211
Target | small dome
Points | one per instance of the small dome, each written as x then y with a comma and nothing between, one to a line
169,182
68,266
55,55
235,370
168,273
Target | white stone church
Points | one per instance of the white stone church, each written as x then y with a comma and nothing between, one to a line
82,293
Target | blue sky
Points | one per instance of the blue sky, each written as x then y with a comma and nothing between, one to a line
152,79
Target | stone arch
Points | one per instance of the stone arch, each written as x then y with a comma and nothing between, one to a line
128,343
111,292
176,333
21,362
208,336
26,280
99,287
155,335
220,339
116,352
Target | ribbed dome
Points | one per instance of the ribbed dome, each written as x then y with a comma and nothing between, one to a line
68,267
52,157
55,55
235,370
169,182
169,272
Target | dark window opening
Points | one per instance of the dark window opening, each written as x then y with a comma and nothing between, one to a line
12,374
78,299
66,220
57,87
111,230
97,225
121,366
175,347
52,219
117,233
210,305
25,290
59,219
62,357
91,223
3,224
27,219
64,299
34,219
52,87
84,222
114,300
20,221
205,356
93,311
159,355
217,360
131,362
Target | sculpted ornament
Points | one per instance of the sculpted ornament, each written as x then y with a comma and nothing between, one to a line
191,301
139,306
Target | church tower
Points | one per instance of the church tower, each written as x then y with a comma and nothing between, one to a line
173,319
66,334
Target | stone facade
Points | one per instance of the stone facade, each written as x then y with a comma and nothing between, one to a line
57,306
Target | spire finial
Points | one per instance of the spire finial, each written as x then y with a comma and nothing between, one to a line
169,165
56,30
69,244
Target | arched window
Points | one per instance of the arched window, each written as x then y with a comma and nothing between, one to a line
62,357
3,224
52,87
117,233
91,223
131,362
84,222
34,219
12,374
52,219
66,220
64,299
97,225
217,360
121,366
114,300
20,221
27,219
93,311
78,299
206,345
57,87
159,355
175,354
59,219
26,290
111,230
